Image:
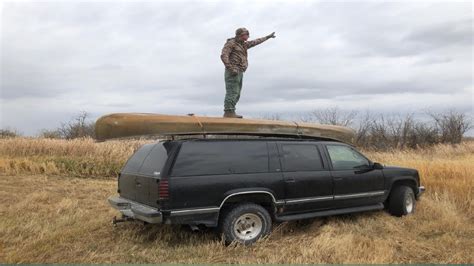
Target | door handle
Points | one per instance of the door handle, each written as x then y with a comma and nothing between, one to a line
290,180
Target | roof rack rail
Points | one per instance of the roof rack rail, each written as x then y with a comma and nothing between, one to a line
242,136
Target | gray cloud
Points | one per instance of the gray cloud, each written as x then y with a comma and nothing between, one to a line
58,57
444,34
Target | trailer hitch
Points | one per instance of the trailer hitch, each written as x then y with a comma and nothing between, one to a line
115,221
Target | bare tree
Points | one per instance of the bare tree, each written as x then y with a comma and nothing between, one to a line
331,116
9,133
272,116
362,129
388,132
78,127
451,125
50,134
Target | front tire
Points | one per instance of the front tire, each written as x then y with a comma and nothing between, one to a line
245,224
401,201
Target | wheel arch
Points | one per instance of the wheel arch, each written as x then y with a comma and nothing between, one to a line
403,181
263,197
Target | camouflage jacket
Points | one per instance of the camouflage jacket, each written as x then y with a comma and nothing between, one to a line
234,53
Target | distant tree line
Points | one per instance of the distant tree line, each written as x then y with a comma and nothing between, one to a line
382,132
379,132
78,127
9,133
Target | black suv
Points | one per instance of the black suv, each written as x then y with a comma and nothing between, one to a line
242,185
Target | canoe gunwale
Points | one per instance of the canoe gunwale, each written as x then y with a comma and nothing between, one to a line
230,135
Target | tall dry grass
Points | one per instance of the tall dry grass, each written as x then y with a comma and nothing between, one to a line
55,217
447,170
78,157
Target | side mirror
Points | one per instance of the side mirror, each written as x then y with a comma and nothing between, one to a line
377,166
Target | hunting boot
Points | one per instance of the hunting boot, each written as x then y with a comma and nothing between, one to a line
231,114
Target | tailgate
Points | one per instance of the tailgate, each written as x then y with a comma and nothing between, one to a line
141,175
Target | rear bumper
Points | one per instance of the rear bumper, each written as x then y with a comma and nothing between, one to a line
135,210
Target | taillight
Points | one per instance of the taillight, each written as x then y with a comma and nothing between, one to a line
118,182
163,190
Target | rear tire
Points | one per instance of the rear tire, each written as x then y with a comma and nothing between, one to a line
401,201
245,223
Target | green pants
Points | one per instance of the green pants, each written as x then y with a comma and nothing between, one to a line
233,86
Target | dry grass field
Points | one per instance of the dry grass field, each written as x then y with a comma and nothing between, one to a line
54,209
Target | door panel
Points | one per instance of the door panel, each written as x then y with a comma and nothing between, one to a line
308,181
142,187
308,191
355,182
129,175
356,189
127,186
139,177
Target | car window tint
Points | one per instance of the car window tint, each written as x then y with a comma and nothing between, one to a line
212,158
155,161
301,157
135,162
345,158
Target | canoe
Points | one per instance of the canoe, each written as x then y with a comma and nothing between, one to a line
122,125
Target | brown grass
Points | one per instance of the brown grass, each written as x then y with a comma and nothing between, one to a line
55,217
78,157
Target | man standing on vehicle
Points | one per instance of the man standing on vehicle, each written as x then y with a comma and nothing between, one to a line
234,57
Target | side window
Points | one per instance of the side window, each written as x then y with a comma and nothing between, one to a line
345,158
301,157
135,162
221,157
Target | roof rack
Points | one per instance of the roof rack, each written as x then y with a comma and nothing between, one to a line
229,136
243,136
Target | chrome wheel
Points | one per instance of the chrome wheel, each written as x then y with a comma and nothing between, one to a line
248,226
409,203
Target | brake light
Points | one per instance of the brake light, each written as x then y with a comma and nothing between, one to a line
163,190
118,182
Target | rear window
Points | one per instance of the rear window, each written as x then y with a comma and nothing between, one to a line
135,162
220,158
148,160
155,161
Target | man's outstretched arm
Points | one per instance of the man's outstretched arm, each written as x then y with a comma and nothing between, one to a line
258,41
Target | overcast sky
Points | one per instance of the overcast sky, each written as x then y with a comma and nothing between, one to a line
61,57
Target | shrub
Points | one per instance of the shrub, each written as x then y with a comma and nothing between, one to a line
9,133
